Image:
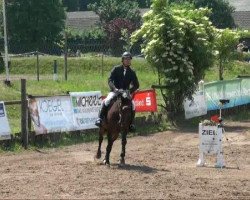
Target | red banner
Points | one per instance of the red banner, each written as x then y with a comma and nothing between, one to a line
145,101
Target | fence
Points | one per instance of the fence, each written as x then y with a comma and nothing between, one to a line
27,135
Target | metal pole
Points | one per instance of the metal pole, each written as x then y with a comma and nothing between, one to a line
7,82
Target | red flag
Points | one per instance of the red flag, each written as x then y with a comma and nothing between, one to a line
215,118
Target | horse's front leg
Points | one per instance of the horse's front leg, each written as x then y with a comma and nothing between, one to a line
99,153
108,149
124,142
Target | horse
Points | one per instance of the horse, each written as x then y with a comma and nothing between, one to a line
117,121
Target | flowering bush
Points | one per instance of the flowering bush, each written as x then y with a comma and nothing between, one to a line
178,42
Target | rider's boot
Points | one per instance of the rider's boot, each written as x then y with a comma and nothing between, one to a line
132,127
102,114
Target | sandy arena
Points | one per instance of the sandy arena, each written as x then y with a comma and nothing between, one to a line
159,166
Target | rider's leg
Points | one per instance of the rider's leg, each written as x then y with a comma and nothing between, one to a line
101,115
132,127
104,109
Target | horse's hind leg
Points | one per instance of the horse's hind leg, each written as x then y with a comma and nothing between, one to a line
99,153
108,149
124,142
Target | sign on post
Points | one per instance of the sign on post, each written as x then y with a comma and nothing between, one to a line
210,144
4,123
195,107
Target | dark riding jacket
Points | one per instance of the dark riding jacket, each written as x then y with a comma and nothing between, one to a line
117,80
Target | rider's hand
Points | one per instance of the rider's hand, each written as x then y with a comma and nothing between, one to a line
120,90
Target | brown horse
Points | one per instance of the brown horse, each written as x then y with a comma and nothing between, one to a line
117,121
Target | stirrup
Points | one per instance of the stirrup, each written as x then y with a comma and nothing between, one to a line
132,128
98,122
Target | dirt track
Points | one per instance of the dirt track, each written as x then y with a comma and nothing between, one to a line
159,166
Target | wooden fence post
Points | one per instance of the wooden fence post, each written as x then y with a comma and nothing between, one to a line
65,57
24,113
102,66
37,65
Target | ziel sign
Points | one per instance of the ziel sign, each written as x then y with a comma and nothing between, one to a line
210,144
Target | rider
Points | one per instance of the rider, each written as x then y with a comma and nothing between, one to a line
121,77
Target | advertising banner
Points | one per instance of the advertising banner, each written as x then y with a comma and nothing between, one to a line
4,123
51,114
86,106
195,107
145,101
237,91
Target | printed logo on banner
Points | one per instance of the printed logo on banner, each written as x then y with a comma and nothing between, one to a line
86,106
51,114
2,114
145,101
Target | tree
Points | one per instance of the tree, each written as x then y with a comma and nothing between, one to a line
118,17
71,5
109,10
221,15
144,3
226,41
32,23
178,42
118,32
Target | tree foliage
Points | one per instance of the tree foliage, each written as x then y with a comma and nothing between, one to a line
71,5
118,30
225,43
117,18
109,10
32,23
221,15
178,42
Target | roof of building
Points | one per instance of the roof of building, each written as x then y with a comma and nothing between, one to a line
88,19
242,19
81,19
240,5
85,19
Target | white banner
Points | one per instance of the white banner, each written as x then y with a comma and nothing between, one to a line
196,107
4,123
86,106
51,114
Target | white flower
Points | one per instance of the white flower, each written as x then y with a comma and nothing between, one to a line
181,69
164,55
175,67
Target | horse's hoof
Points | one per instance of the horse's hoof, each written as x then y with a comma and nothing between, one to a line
98,155
106,163
122,163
